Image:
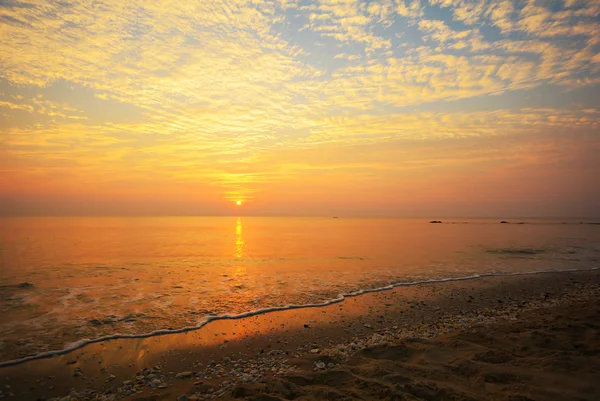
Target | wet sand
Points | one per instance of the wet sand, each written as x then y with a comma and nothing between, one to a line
514,337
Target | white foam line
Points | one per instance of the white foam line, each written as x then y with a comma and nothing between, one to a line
79,344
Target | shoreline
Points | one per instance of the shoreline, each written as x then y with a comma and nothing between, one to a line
209,319
283,342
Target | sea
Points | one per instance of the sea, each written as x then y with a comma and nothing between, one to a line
65,281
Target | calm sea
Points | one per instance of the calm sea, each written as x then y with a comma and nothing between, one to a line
67,279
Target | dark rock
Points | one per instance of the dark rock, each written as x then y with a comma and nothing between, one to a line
245,391
184,375
285,389
504,222
435,222
493,356
25,285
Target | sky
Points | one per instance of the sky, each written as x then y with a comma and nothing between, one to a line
300,107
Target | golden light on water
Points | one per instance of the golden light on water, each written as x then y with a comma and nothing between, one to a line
239,240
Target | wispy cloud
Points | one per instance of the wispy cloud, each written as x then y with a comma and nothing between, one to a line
218,88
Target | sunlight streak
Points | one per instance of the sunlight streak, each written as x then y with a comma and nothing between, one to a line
240,245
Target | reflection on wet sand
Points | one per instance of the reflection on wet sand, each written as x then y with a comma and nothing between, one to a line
126,356
105,366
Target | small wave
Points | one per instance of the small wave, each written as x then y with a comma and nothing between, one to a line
21,286
516,251
81,343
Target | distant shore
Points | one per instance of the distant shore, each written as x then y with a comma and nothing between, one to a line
467,338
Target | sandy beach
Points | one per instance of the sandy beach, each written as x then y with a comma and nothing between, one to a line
531,337
299,200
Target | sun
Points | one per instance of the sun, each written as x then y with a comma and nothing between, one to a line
239,203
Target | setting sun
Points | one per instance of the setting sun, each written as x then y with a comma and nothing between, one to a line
129,130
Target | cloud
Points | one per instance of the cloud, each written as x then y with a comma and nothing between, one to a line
220,84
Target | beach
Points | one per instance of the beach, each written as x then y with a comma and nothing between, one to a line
522,337
65,281
299,199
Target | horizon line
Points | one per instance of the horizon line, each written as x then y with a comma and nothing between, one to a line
358,216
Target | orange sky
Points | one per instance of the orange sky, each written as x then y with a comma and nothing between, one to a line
332,107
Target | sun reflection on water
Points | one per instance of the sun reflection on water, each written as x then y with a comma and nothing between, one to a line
240,245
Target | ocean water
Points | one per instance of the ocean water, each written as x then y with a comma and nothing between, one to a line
64,280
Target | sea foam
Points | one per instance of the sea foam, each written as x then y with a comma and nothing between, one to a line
81,343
